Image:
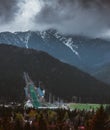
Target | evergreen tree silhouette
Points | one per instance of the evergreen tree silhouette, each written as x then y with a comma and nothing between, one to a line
99,119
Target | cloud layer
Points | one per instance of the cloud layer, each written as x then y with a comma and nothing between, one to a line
84,17
78,17
7,10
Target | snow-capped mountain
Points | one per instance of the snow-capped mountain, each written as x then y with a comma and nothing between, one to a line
85,53
22,38
50,41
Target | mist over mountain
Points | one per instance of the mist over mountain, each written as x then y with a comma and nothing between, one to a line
76,17
60,79
88,54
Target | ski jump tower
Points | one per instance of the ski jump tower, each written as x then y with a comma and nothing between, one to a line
33,94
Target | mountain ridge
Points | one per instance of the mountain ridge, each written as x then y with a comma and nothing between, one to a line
60,79
87,54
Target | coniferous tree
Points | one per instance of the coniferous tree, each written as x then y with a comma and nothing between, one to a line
99,119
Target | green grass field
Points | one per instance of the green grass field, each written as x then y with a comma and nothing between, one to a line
84,106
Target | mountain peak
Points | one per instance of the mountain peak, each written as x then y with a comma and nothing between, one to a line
85,53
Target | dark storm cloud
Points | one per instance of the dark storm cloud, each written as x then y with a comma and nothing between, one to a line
86,17
8,9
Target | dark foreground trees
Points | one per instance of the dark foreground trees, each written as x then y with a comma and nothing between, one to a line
98,121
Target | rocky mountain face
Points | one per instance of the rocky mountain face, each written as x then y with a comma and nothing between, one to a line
60,79
89,55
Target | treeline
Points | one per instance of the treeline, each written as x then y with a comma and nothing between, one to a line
19,118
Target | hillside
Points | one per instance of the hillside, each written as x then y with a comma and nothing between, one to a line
58,78
87,54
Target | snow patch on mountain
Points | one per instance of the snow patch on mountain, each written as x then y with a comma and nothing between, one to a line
43,34
24,38
68,42
9,38
27,39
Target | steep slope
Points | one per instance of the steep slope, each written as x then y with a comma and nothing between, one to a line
85,53
48,41
103,73
58,78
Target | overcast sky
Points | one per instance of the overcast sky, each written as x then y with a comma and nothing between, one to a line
78,17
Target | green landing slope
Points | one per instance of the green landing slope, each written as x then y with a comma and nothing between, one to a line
34,97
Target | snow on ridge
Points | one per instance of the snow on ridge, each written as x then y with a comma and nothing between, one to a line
27,39
24,38
68,42
10,39
43,34
57,35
